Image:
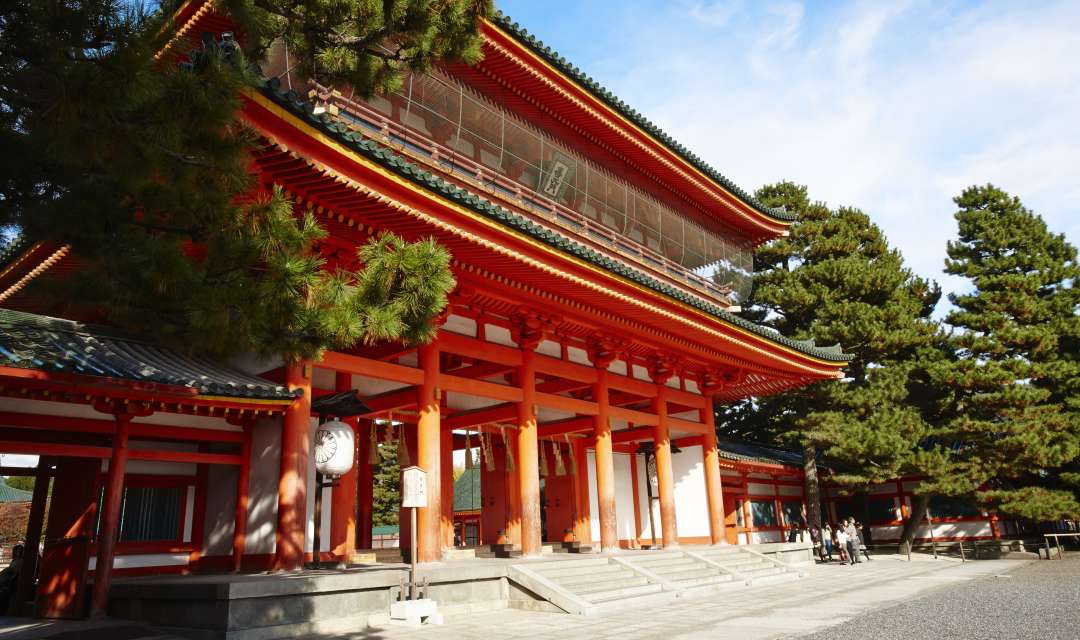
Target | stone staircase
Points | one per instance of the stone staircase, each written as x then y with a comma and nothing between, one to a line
604,583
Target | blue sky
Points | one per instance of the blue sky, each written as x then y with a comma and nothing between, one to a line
893,107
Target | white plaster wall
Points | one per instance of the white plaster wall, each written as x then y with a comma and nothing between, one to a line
594,511
910,485
643,495
760,489
789,490
691,500
263,490
956,529
550,348
624,498
889,487
766,536
135,561
220,519
460,324
498,335
885,533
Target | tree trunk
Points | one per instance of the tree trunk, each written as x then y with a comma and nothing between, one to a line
812,489
918,513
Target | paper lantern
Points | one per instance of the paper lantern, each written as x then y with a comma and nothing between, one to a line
334,448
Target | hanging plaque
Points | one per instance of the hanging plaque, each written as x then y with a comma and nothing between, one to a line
414,487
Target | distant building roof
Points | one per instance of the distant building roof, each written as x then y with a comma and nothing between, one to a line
739,451
467,491
29,341
9,493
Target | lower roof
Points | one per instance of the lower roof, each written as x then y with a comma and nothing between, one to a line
55,345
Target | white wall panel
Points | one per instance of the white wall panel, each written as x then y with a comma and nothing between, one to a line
789,490
263,490
594,512
760,489
691,501
624,498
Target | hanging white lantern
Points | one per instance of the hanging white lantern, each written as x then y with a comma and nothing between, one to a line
334,448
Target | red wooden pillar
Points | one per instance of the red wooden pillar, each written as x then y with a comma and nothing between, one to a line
343,496
605,464
664,476
493,512
446,465
243,483
714,489
429,540
110,517
292,481
528,470
365,490
33,533
582,509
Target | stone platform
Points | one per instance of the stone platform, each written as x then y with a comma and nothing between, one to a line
332,601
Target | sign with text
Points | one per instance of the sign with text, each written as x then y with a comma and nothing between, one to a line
414,487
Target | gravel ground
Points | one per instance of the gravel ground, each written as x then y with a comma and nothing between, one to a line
1039,601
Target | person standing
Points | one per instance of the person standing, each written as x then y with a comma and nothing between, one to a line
841,543
852,541
826,540
862,541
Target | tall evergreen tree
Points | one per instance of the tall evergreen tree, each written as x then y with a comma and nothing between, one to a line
1010,417
386,487
141,166
834,279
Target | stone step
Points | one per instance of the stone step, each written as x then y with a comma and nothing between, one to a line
652,556
597,597
668,563
624,582
637,604
742,565
460,554
764,571
687,574
786,576
586,578
553,573
702,581
572,563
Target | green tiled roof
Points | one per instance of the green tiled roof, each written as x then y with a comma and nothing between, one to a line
386,157
748,452
9,493
562,64
467,491
385,530
29,341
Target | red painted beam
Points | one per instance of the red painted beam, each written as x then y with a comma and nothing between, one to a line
580,424
371,368
138,430
486,415
478,349
184,456
479,388
54,449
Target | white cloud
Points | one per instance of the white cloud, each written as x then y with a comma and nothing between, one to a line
893,108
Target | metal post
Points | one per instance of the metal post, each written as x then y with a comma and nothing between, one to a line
412,556
1046,539
962,557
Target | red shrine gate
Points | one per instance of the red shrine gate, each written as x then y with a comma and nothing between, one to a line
599,267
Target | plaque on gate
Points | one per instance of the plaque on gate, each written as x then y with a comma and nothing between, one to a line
414,487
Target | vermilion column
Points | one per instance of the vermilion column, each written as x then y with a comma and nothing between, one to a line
446,449
528,469
110,517
243,481
292,480
714,489
429,540
343,496
582,510
365,478
605,465
664,475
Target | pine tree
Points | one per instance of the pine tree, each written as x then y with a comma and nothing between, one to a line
1010,416
834,279
142,167
386,489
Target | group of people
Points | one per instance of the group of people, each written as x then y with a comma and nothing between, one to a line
847,539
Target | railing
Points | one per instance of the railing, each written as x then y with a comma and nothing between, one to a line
375,123
1057,543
